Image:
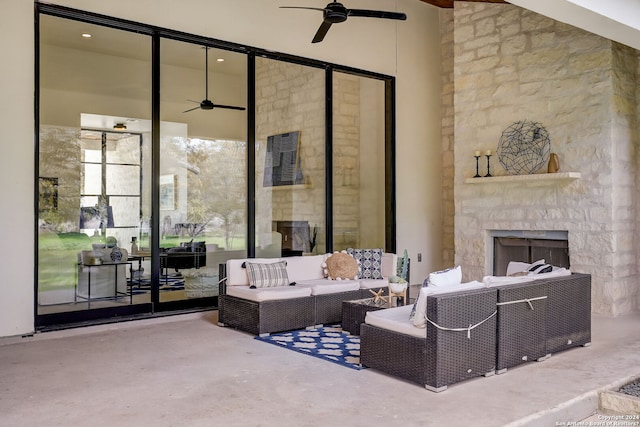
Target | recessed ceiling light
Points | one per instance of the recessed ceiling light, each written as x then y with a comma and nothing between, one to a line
86,35
220,59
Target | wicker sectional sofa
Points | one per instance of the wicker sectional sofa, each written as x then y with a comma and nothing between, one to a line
477,332
313,300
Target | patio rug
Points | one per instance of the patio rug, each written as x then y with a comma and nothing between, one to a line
329,343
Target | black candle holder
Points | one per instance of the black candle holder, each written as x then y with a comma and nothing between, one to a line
477,175
488,166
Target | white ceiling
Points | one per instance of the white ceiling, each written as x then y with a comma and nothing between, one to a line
617,20
107,41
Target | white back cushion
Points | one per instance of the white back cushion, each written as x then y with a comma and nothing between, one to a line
452,276
305,267
517,266
237,275
420,317
389,264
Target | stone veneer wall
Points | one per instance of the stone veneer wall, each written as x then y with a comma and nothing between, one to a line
448,115
512,64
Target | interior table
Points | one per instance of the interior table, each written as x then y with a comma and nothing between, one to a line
90,270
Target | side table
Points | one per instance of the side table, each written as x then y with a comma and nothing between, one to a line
87,291
354,312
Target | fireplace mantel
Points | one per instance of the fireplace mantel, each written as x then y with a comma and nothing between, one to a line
537,177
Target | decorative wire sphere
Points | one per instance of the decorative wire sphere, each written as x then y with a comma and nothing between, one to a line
524,147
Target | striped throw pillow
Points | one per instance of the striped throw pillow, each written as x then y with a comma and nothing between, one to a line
267,275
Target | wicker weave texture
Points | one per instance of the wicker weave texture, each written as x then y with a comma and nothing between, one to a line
353,314
459,355
396,354
521,333
568,312
443,357
329,306
268,316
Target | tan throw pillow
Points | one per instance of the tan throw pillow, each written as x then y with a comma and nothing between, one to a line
341,266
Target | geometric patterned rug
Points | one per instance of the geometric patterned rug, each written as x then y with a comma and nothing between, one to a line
329,343
143,286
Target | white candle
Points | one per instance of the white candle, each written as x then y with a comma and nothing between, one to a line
488,152
477,153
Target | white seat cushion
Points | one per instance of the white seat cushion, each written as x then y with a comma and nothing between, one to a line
395,319
373,283
326,286
268,294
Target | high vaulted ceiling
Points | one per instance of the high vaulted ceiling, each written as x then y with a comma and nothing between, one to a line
449,3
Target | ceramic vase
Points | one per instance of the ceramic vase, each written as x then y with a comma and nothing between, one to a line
554,163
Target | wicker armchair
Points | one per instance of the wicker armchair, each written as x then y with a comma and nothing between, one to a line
460,342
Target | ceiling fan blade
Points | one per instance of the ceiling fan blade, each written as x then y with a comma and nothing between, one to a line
301,7
377,14
195,108
191,100
230,107
322,31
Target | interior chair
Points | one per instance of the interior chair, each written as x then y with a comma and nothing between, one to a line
187,255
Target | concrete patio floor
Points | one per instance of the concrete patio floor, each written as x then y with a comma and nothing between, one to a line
185,370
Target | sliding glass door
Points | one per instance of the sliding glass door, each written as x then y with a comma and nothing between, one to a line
94,167
360,162
161,155
290,159
203,157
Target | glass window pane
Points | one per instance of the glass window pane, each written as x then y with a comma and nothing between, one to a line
123,149
91,178
126,212
358,162
290,153
203,158
123,179
108,75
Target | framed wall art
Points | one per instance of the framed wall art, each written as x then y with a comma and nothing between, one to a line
282,160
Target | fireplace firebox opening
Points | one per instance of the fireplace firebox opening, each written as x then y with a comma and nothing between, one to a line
529,246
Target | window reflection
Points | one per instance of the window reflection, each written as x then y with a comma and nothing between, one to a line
358,162
290,153
203,156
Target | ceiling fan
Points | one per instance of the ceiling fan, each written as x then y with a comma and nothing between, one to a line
335,12
206,103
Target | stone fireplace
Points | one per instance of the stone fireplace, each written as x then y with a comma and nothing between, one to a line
528,246
502,64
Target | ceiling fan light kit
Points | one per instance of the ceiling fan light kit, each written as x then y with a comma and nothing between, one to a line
335,13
